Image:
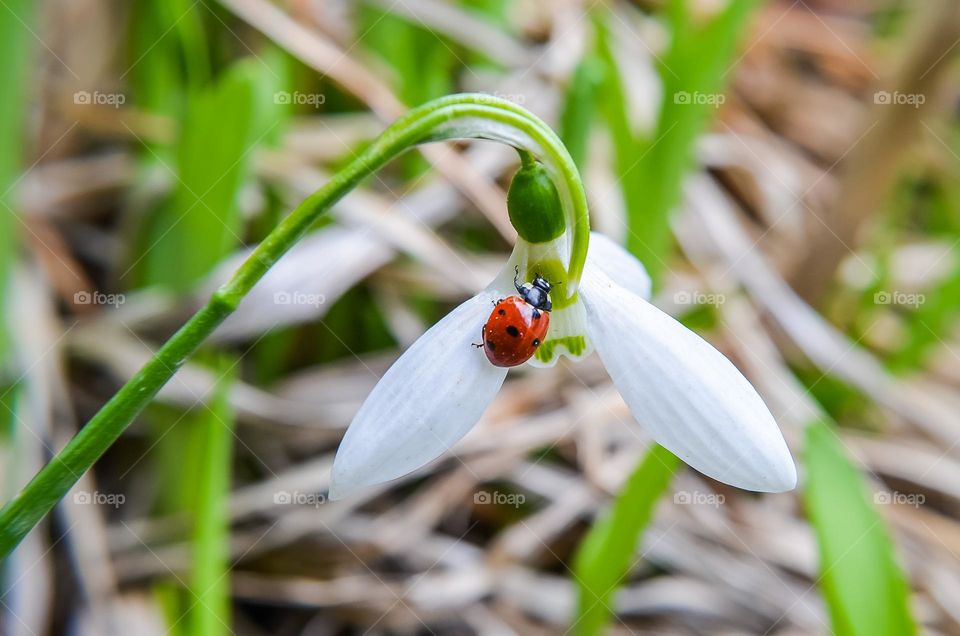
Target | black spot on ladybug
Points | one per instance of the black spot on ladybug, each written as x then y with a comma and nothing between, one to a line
502,312
513,331
536,315
536,342
491,345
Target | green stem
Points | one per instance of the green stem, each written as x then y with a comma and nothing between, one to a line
453,117
527,160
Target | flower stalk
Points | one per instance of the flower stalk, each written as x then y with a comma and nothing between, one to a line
467,116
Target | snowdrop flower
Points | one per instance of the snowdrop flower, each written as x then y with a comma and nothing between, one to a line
689,397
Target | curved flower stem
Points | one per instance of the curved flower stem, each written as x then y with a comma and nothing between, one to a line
453,117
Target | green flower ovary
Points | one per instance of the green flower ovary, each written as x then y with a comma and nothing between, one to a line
534,204
574,344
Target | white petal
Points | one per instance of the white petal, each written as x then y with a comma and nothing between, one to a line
621,266
689,397
423,405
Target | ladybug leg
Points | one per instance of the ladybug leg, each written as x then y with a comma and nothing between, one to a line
516,279
482,340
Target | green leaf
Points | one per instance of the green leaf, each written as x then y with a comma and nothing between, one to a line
579,105
651,170
423,63
11,460
860,579
167,51
213,153
210,583
607,552
15,43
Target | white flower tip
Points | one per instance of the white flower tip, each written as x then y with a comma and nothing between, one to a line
348,478
762,461
778,473
341,488
764,465
786,479
336,493
755,456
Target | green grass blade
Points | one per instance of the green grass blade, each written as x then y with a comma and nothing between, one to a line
14,51
422,61
860,579
162,55
15,42
696,68
213,153
10,460
188,20
579,106
651,171
635,164
210,584
607,552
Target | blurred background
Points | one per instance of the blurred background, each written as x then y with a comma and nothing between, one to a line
787,171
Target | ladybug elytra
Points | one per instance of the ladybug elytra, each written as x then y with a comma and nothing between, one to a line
518,324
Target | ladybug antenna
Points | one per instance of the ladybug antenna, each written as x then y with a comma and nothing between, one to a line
516,278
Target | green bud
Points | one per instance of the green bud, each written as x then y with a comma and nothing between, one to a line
534,204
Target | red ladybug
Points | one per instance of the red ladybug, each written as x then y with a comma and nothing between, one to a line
518,324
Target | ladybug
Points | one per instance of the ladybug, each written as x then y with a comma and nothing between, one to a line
518,324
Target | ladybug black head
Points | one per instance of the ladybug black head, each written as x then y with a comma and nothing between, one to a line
542,283
537,293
